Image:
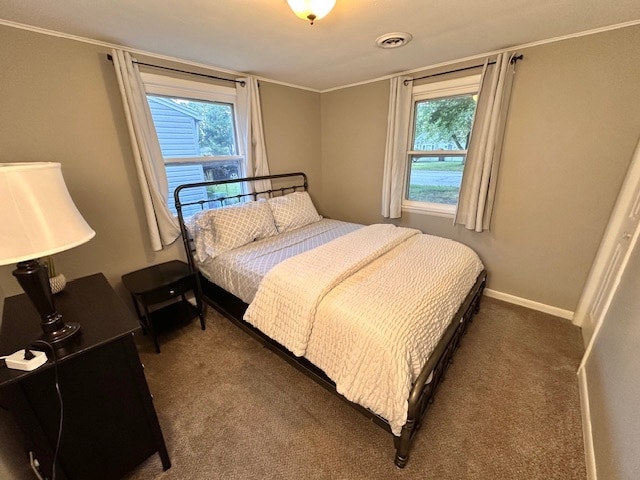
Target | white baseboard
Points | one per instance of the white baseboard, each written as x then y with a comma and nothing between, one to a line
587,433
540,307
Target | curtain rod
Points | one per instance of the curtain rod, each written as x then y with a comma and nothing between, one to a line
241,82
513,60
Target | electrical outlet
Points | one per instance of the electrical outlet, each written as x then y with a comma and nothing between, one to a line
18,362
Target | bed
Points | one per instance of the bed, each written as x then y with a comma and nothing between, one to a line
373,313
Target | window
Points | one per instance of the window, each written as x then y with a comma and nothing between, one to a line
442,117
197,132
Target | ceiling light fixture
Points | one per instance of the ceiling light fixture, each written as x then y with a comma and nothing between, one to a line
311,10
393,40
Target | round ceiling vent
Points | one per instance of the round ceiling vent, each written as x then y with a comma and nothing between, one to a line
393,40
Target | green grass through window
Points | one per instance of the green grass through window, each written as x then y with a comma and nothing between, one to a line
229,189
434,194
438,166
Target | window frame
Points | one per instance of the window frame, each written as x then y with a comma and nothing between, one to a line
469,84
167,86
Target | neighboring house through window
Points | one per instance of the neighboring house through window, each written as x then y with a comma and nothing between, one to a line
197,131
441,120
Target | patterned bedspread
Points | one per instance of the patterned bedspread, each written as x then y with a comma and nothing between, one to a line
368,309
241,270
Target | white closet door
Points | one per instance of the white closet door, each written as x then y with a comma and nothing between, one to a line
613,254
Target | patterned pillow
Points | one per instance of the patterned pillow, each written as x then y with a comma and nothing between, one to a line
293,211
219,230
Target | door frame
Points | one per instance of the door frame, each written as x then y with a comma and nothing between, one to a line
625,210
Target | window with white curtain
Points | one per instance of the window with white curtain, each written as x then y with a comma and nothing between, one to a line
442,116
196,126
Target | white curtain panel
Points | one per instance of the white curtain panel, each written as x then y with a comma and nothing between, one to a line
395,155
477,191
252,133
152,177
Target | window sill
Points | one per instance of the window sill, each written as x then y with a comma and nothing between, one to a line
433,209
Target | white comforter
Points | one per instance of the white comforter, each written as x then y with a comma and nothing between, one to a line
368,309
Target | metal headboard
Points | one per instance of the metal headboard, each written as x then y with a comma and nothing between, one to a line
299,184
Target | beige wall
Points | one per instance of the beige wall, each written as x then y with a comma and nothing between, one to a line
572,130
354,129
291,120
60,102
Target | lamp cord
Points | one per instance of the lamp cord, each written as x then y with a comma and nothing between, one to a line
60,402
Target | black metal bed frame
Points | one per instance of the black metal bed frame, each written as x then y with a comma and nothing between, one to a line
425,386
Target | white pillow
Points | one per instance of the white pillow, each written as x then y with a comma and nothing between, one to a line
293,211
219,230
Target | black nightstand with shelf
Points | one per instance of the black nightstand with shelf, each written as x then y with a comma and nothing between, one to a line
157,285
110,425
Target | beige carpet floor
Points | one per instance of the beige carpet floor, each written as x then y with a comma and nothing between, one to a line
232,409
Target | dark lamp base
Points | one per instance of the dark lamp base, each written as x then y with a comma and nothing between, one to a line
34,280
60,336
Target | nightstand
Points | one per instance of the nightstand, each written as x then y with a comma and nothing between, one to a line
109,423
160,284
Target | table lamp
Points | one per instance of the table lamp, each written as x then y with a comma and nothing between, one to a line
38,218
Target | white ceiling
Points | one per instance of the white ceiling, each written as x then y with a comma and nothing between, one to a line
265,38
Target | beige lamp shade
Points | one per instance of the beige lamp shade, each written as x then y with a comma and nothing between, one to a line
37,215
